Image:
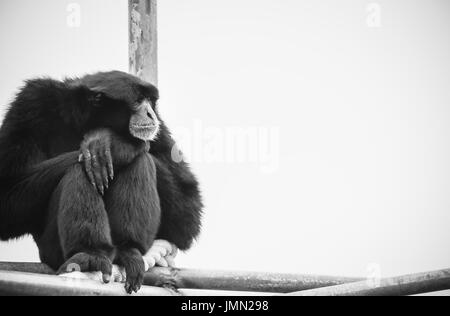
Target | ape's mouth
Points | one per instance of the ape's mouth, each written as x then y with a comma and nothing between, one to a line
144,126
145,132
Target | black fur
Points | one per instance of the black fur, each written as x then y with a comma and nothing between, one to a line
45,192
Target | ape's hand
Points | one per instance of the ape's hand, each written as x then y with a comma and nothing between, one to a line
97,158
161,254
102,150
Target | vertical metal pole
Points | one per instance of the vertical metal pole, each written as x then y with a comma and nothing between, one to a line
143,39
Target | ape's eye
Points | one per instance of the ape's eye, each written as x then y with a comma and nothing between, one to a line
139,104
96,100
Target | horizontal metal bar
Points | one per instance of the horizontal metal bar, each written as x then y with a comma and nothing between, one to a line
413,284
218,283
216,280
241,281
29,267
29,284
193,292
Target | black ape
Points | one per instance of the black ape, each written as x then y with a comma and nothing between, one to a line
81,212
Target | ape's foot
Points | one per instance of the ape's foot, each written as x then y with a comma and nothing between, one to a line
83,262
118,275
162,254
135,276
131,260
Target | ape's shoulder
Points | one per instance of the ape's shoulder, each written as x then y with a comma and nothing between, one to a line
42,100
29,102
37,91
42,83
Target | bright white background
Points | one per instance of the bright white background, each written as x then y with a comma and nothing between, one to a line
363,115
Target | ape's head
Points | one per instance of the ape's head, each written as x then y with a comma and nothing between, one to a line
123,103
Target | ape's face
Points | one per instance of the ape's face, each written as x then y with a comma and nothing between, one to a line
125,104
144,124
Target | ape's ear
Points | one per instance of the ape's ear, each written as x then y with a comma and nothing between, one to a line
96,97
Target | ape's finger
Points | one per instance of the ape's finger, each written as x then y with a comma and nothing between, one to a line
175,251
163,251
119,274
106,278
106,269
150,261
155,254
105,177
164,244
146,265
110,163
98,174
162,263
119,278
89,172
88,166
99,182
171,261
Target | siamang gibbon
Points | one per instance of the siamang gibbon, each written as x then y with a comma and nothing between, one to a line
86,168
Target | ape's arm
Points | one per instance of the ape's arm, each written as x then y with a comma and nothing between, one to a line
25,196
181,203
34,121
179,193
27,180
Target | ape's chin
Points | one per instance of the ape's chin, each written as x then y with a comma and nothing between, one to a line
145,133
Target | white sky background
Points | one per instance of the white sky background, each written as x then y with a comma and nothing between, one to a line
363,116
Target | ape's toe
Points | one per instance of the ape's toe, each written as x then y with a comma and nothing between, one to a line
83,262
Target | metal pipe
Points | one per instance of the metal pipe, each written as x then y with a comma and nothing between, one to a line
397,286
215,280
143,39
241,281
29,284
